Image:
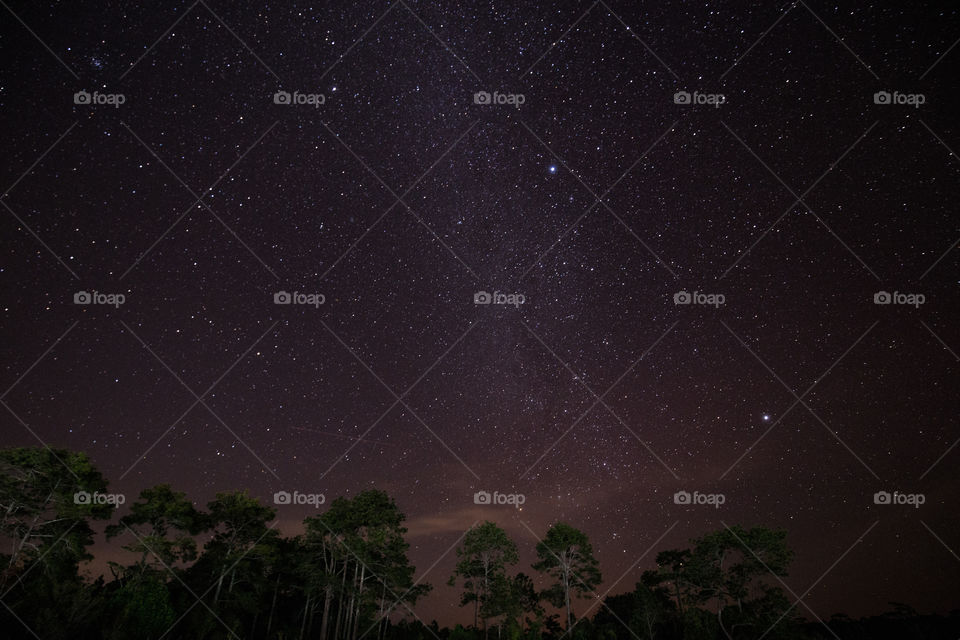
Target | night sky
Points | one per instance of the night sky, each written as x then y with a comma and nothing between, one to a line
597,200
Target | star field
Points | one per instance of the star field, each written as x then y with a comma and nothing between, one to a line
598,199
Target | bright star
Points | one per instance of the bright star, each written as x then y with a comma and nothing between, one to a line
553,168
766,417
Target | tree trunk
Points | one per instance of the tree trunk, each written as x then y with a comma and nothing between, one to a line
273,605
324,620
353,594
356,617
313,614
486,594
216,594
343,591
303,625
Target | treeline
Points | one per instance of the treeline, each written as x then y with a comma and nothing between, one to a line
225,572
341,580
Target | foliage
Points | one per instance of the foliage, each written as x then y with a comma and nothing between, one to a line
226,572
